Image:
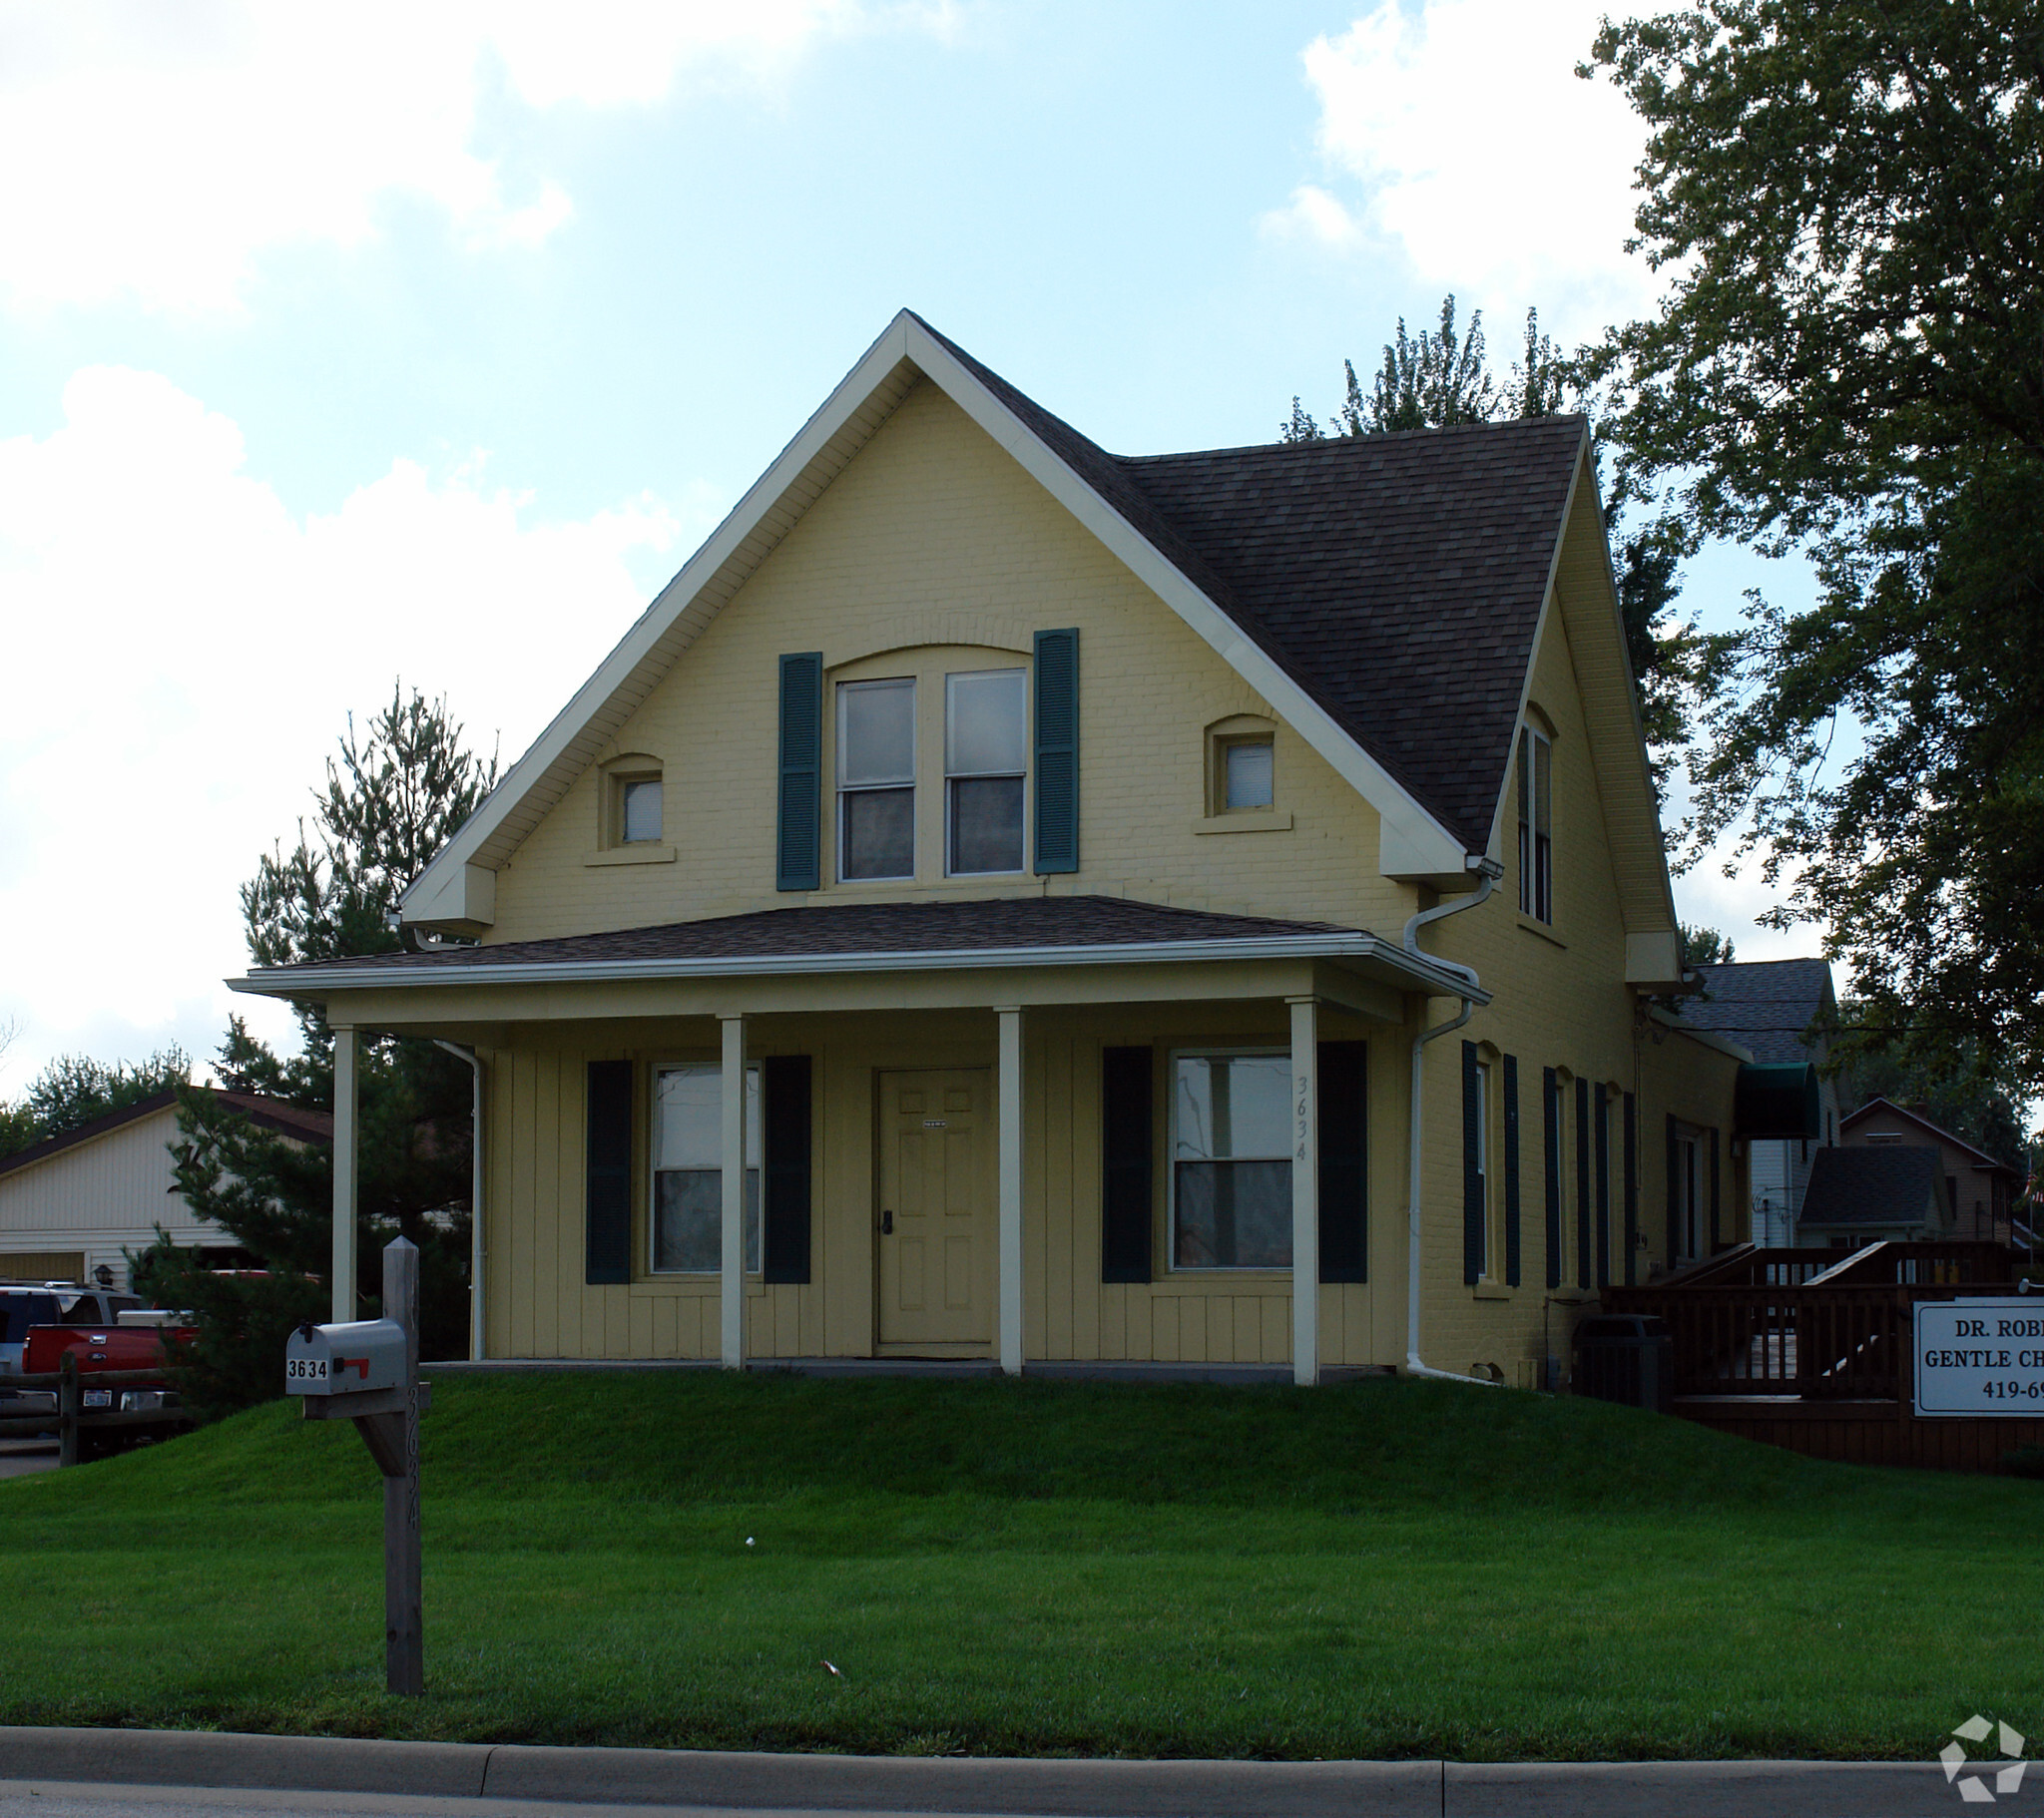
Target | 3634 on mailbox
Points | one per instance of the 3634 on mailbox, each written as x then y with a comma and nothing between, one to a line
350,1359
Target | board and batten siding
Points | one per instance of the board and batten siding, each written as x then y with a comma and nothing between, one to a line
540,1306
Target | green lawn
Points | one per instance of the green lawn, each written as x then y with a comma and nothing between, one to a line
1378,1570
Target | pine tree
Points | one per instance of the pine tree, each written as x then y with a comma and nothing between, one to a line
394,796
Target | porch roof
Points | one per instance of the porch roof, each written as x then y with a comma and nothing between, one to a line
879,937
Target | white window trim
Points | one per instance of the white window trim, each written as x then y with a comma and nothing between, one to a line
944,764
1532,741
1486,1276
712,1064
1206,1050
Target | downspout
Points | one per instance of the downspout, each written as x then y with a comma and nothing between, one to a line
475,1194
1491,871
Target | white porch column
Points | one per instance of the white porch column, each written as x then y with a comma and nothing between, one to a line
731,1158
1306,1191
1008,1091
345,1101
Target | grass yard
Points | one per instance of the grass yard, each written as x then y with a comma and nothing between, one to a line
1382,1569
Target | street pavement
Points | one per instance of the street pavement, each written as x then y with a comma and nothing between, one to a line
23,1457
83,1774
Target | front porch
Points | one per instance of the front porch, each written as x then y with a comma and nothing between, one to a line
1141,1140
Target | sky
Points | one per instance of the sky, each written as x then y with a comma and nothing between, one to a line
341,348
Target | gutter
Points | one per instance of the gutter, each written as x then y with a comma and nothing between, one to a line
1418,970
1471,991
476,1249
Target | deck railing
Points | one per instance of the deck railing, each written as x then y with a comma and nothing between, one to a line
1781,1326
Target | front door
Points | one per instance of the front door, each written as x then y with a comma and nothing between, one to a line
936,1209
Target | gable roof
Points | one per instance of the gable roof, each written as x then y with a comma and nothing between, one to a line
268,1114
1385,593
1897,1183
1981,1158
1767,1006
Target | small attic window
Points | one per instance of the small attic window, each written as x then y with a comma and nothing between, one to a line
632,808
1240,770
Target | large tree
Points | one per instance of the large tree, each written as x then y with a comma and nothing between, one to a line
395,794
72,1089
1846,198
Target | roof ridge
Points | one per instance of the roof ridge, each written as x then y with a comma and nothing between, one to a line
1344,443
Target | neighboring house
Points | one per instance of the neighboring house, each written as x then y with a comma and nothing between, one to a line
1781,1012
1006,900
79,1202
1865,1196
1979,1191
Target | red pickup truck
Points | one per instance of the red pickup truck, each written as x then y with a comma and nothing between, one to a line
137,1341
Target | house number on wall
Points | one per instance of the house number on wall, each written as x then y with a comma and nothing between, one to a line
935,1124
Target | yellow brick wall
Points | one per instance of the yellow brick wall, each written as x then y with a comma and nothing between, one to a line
933,536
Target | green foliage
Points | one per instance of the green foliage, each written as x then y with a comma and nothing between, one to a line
393,798
1977,1097
1849,199
1434,382
1703,947
72,1089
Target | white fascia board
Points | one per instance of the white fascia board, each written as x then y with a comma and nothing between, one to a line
437,885
1410,835
1416,973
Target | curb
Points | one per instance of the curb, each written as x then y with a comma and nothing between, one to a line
978,1785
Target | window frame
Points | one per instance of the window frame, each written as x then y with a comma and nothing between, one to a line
1486,1095
844,792
1224,735
1021,865
1692,1214
1534,766
1211,1050
755,1140
618,777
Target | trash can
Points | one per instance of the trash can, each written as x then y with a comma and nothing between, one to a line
1626,1357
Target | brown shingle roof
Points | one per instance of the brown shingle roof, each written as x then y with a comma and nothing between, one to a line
993,924
1765,1006
1397,579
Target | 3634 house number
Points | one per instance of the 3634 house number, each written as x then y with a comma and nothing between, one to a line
305,1369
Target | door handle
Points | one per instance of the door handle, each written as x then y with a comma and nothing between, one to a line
886,1225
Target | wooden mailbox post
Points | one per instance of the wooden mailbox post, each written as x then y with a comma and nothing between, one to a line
367,1371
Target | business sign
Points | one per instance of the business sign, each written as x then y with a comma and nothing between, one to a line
1980,1357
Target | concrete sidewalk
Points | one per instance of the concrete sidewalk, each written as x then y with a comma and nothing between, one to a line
505,1774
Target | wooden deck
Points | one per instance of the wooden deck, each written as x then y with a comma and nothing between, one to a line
1811,1350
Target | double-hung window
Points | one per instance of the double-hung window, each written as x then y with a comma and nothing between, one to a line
687,1171
985,761
1536,826
1480,1118
876,780
1230,1161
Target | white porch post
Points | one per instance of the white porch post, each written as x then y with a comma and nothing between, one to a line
1008,1091
345,1097
733,1161
1306,1191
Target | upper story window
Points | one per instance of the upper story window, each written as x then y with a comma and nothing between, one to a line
1231,1161
1241,772
1536,825
877,778
639,809
631,807
986,745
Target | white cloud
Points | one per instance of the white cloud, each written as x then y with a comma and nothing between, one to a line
183,651
1315,214
154,152
1481,154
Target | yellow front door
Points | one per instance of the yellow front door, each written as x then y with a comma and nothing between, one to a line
936,1209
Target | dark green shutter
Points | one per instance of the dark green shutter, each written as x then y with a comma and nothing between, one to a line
1511,1086
1674,1191
1602,1135
1550,1142
798,837
1631,1191
1345,1161
607,1216
784,1114
1581,1183
1126,1193
1472,1180
1057,753
1716,1239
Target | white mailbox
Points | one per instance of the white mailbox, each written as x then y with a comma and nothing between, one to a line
345,1359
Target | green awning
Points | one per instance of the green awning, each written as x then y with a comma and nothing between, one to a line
1778,1101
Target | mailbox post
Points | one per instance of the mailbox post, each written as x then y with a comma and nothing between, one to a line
367,1371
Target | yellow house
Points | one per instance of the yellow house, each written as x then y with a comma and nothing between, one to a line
1009,901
